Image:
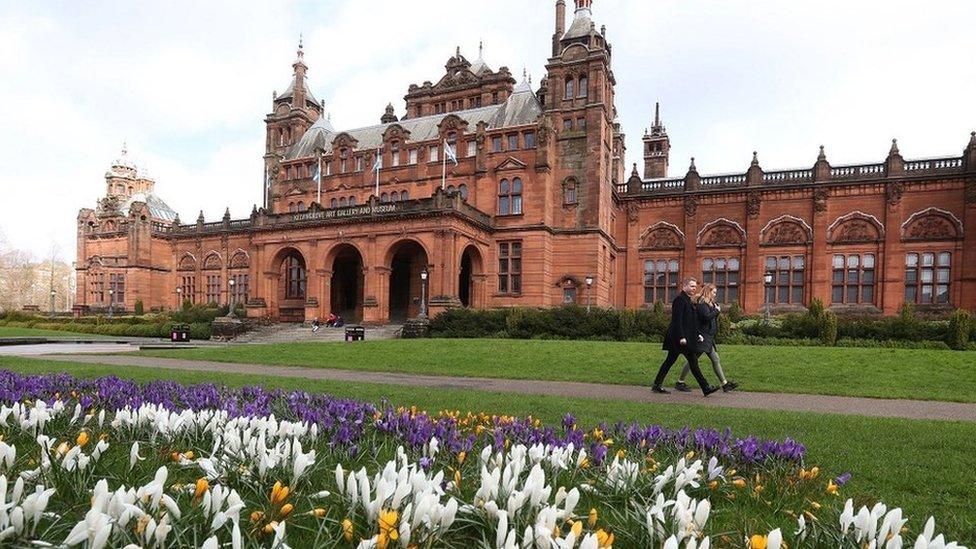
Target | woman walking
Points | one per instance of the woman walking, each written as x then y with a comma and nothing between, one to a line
708,311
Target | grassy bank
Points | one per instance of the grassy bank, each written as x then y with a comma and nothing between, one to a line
882,373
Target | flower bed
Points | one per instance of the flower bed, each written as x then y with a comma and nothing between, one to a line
110,463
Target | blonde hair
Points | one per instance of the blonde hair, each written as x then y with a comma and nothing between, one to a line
704,291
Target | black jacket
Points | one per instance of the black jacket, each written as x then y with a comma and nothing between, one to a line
684,325
707,325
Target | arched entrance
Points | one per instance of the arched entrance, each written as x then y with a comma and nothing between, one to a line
407,260
471,266
347,284
293,285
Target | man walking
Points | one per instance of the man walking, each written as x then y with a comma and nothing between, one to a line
682,339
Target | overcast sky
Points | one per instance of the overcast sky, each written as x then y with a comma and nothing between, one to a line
187,84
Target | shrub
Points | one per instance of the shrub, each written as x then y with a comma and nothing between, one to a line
138,309
735,313
958,329
828,328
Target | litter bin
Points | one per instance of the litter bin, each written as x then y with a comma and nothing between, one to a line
180,333
355,333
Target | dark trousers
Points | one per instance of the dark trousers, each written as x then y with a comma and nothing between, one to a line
692,359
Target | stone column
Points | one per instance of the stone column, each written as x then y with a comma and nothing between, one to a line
376,306
753,268
820,262
325,292
892,256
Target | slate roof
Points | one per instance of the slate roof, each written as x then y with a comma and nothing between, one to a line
521,108
157,208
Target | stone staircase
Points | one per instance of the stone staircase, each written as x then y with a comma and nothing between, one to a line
299,333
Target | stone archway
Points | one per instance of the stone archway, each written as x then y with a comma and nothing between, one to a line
292,288
472,268
347,283
406,260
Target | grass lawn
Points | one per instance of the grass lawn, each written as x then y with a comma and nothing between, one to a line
6,331
884,373
925,467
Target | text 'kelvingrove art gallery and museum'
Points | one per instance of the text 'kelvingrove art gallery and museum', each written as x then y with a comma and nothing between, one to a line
488,192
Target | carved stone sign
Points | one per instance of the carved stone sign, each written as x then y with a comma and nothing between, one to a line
351,212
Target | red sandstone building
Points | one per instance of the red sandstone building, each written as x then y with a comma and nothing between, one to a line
539,202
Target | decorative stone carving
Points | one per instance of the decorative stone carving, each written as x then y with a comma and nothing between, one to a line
753,203
662,236
721,236
820,200
187,263
855,231
633,213
691,205
240,260
894,192
930,227
211,262
786,233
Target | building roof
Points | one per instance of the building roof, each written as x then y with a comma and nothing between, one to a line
309,98
522,107
157,208
582,22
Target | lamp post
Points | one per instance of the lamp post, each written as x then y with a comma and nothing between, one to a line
423,293
53,293
179,295
589,284
768,279
111,302
230,290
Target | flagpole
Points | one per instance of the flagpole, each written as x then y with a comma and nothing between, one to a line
319,199
444,165
377,170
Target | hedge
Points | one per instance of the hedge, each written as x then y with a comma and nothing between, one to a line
818,326
198,330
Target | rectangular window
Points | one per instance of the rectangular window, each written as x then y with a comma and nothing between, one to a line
786,279
98,288
241,291
852,280
328,169
581,123
927,277
510,267
724,274
529,140
213,288
395,156
496,143
117,288
413,156
472,148
569,295
513,142
567,124
660,280
359,163
434,153
189,289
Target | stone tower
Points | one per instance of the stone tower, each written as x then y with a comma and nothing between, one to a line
657,148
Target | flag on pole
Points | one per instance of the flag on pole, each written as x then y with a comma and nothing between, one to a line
317,177
317,174
267,185
377,165
450,153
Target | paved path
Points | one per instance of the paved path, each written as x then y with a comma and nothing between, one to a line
910,409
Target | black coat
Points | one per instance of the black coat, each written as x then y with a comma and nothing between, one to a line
684,325
707,325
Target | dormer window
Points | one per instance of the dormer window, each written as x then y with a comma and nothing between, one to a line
343,160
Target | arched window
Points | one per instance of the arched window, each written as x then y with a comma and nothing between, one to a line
404,195
333,203
463,190
510,197
300,207
295,278
342,202
569,87
569,193
384,198
352,200
450,189
583,86
291,207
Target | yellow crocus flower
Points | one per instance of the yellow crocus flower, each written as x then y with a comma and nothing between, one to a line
603,539
593,517
347,530
757,542
82,439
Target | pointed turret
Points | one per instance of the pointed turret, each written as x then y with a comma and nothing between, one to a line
389,116
657,148
754,175
298,80
894,164
821,170
969,156
692,179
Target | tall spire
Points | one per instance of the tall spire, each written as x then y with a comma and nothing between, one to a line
298,82
657,113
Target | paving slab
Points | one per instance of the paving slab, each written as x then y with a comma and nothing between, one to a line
873,407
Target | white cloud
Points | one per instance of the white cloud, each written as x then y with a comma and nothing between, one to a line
188,84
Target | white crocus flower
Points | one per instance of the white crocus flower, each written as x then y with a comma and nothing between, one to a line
774,540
